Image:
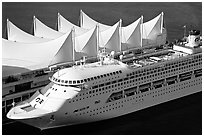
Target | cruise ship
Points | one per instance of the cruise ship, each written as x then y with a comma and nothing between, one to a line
20,82
114,87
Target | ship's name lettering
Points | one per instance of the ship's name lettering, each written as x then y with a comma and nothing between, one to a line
39,100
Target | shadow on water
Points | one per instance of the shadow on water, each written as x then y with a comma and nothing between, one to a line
180,116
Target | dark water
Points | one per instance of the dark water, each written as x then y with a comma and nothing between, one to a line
178,117
182,116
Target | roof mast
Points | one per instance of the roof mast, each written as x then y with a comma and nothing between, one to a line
141,29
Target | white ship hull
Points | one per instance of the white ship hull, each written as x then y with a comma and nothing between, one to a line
101,111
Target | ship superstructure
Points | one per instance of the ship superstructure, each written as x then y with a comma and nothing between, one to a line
111,88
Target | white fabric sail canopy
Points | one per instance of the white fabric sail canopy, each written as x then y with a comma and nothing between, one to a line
65,26
86,44
132,35
30,56
110,38
152,31
65,53
43,31
16,34
88,23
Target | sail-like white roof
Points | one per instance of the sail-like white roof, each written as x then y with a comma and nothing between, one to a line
30,56
131,34
74,48
43,31
66,26
110,38
18,35
72,42
65,53
152,30
88,23
87,43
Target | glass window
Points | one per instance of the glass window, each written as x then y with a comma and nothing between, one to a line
16,100
92,78
78,81
8,102
66,81
62,81
74,82
88,79
85,80
70,82
3,103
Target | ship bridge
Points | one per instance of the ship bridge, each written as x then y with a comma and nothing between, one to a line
79,75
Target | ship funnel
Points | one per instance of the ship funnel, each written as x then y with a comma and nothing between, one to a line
194,38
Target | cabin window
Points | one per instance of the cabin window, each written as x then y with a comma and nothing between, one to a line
66,81
85,80
92,78
108,74
3,103
98,77
70,82
88,79
78,81
74,82
58,80
62,81
81,81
